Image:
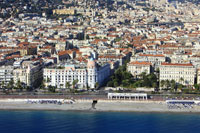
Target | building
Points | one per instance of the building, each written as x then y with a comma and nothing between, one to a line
29,73
30,50
136,68
6,74
129,96
64,11
181,73
156,59
87,75
198,76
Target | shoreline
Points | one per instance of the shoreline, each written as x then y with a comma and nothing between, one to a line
101,106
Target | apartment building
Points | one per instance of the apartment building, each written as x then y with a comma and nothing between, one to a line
181,73
6,74
29,73
136,68
156,59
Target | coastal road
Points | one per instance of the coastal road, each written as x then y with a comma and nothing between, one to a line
153,97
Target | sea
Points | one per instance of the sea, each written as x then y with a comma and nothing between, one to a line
97,122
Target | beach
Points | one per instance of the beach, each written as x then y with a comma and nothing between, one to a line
102,105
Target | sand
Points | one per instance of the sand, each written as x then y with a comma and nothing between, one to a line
102,105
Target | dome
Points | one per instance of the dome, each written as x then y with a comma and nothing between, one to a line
91,63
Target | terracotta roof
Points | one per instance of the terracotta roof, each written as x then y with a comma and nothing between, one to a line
175,64
65,52
157,55
140,63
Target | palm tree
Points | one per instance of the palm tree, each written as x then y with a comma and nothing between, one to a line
181,80
3,84
167,84
96,85
67,85
48,80
19,85
173,84
74,83
10,84
162,83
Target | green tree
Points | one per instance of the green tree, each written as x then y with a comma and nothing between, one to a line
197,86
155,85
10,84
110,84
167,84
173,84
42,85
74,83
181,80
67,85
142,75
96,85
19,85
162,83
180,86
48,80
51,89
2,84
116,84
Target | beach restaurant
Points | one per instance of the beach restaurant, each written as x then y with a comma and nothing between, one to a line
135,96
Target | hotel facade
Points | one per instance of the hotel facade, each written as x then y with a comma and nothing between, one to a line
181,73
87,76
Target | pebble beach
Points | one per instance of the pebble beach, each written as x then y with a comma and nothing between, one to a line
102,105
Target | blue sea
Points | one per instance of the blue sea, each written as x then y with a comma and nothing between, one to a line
97,122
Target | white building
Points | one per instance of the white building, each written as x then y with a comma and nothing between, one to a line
87,76
6,74
29,73
156,59
198,76
136,68
181,73
136,96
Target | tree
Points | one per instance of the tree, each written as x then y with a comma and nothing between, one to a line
10,84
96,85
167,84
3,84
197,86
67,85
19,85
181,80
28,88
142,75
74,83
51,89
110,84
173,84
116,84
154,85
42,85
48,80
162,83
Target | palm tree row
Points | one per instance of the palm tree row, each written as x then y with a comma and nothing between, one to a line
11,85
168,84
